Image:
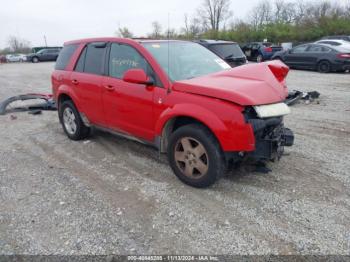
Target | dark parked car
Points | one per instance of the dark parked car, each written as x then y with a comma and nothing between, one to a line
231,52
323,58
3,59
44,55
260,51
337,37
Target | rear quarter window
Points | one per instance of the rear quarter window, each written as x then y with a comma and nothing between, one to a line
65,56
94,58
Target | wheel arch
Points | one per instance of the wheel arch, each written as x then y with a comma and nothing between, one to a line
180,116
324,60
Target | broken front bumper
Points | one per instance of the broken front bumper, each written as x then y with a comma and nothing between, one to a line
270,138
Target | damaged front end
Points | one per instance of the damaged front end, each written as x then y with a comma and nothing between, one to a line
270,134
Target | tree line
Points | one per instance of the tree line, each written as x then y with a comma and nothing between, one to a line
275,20
278,21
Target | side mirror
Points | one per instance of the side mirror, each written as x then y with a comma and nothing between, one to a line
137,76
290,51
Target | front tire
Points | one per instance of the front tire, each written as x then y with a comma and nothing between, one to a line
35,59
324,67
259,59
195,156
71,121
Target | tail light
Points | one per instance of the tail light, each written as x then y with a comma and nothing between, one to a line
346,56
280,71
268,49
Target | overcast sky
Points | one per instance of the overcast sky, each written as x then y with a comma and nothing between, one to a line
62,20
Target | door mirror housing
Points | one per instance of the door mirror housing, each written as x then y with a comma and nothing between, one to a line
137,76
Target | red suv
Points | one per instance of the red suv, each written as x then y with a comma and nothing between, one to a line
177,96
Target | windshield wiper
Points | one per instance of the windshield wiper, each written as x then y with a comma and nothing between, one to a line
229,56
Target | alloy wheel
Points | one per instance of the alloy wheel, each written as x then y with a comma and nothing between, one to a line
69,121
191,157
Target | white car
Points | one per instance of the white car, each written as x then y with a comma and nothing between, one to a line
16,58
334,43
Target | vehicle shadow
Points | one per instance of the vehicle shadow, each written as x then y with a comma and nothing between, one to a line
150,153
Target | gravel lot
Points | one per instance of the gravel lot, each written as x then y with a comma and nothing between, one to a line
108,195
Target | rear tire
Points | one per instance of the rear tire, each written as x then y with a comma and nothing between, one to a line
195,156
259,59
71,121
324,67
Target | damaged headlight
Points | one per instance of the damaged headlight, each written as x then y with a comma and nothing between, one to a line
272,110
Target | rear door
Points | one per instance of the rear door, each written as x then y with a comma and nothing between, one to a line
314,54
86,80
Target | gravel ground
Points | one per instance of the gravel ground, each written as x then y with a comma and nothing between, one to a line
108,195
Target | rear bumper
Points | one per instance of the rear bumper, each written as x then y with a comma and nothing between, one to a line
341,65
270,138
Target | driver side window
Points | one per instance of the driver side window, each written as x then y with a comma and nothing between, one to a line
299,49
124,57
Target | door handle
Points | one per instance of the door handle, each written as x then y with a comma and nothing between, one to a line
109,87
75,82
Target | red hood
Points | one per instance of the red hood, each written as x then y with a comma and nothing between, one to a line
254,84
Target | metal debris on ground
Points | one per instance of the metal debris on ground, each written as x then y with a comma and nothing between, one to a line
295,96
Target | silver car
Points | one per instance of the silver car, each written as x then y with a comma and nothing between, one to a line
16,58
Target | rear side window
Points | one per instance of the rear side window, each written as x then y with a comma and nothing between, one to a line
65,56
79,67
318,49
330,43
92,59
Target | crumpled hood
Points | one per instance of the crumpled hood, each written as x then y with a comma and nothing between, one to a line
254,84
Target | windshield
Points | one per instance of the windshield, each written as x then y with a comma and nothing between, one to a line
41,51
227,50
185,60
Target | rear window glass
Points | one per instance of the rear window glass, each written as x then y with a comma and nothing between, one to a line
64,56
227,50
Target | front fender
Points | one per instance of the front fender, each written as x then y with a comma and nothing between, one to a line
233,134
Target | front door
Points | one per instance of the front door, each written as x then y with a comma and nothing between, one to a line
128,107
296,57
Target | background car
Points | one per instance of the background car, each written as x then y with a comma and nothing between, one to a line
260,51
231,52
16,58
337,37
323,58
335,42
44,55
